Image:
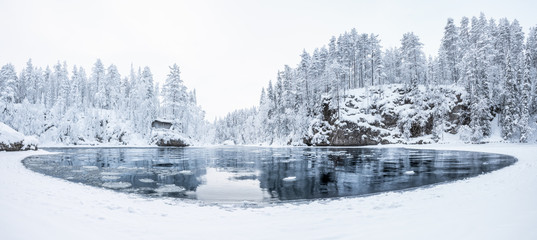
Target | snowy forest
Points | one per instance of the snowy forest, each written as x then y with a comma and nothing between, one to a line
480,87
73,108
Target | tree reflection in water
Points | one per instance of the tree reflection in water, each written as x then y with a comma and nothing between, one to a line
262,174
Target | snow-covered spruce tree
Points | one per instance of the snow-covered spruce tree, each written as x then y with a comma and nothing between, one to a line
413,60
336,77
392,66
39,85
413,71
374,59
8,83
261,120
525,100
112,92
532,50
63,101
28,82
79,89
125,89
83,87
496,70
48,89
133,101
282,127
148,102
516,39
476,61
510,114
74,92
464,47
448,54
97,85
175,96
303,82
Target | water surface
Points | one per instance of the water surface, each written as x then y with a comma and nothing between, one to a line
236,174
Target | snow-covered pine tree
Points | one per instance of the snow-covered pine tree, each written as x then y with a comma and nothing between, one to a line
175,95
40,86
133,101
413,60
449,52
375,60
413,72
437,100
516,39
63,100
48,90
28,83
113,87
478,81
261,120
8,83
75,93
335,75
392,65
148,111
496,69
125,90
464,47
83,87
525,100
97,85
303,86
21,88
510,114
532,50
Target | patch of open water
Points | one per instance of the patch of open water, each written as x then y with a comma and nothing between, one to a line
257,174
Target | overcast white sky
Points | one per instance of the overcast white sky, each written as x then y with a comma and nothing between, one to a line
227,50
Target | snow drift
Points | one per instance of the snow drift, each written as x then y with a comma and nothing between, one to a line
11,140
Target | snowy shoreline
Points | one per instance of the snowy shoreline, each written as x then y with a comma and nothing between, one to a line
497,205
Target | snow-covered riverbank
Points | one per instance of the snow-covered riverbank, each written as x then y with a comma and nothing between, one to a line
499,205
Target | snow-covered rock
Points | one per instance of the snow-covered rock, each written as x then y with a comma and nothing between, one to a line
388,114
169,138
11,140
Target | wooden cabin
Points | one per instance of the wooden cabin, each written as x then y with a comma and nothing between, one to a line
161,124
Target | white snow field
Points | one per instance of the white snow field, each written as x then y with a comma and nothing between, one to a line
498,205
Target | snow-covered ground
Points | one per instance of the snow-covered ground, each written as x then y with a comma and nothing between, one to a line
498,205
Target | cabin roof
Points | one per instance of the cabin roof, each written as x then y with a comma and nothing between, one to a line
162,121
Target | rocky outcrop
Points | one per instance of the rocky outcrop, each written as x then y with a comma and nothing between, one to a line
354,135
168,138
389,115
171,143
17,146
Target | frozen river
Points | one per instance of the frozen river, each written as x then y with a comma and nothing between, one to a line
257,174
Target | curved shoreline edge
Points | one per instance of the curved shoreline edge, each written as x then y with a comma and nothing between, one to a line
497,205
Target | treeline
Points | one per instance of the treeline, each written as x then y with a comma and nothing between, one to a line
74,108
492,60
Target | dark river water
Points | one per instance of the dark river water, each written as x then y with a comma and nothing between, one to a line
256,174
